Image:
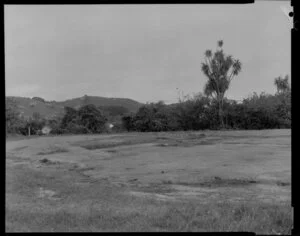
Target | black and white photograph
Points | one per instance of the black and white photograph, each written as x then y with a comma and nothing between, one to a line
148,117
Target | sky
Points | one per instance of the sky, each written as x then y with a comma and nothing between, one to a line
144,52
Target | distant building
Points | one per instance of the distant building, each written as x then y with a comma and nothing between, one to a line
109,126
46,130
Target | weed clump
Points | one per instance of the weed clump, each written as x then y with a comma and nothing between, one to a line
47,161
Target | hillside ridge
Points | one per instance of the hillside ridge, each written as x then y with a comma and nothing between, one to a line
51,109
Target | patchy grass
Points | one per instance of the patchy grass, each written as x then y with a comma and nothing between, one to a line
112,151
99,207
53,150
93,145
162,138
216,182
178,189
168,145
192,136
156,188
172,140
188,143
221,182
280,183
20,148
148,215
260,218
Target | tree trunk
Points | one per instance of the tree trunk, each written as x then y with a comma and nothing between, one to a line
28,130
221,113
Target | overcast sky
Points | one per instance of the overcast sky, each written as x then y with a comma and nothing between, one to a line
143,52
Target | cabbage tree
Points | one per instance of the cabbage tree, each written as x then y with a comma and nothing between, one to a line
219,69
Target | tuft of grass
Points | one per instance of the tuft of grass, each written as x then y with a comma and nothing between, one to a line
45,161
48,162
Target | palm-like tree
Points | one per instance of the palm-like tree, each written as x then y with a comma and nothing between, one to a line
220,69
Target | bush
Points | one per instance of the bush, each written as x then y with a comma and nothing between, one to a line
88,119
128,122
15,124
256,112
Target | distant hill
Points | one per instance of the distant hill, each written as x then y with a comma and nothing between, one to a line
52,109
130,104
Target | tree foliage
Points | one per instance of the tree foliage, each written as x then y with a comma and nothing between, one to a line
12,117
282,84
262,111
87,119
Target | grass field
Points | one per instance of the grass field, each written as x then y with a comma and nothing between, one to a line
172,181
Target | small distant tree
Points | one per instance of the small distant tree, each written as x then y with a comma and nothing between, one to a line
128,122
283,94
69,117
33,126
219,69
282,84
12,117
39,99
86,100
87,119
92,118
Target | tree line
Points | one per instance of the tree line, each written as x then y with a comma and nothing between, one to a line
88,119
208,110
264,111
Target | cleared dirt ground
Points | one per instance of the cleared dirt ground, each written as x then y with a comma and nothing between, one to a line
175,181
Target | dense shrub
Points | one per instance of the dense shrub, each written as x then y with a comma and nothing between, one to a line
256,112
153,117
128,122
267,111
12,118
91,118
87,119
35,126
114,110
55,125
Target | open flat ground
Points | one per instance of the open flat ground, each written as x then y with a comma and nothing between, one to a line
169,181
